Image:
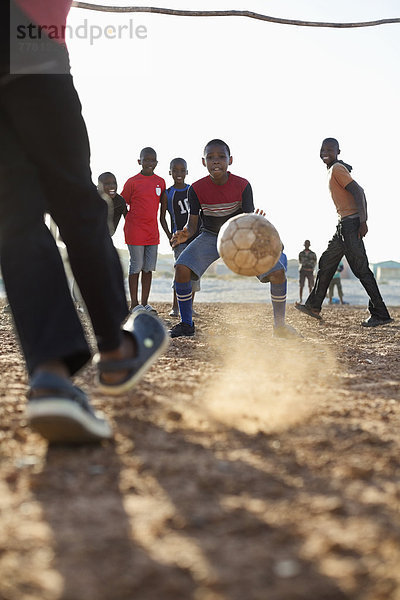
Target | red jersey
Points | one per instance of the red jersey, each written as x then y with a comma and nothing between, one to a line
142,193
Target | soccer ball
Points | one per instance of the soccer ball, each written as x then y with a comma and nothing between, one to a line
249,244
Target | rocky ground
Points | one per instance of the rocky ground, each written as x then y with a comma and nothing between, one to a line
242,468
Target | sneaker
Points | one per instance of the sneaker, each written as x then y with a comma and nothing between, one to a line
308,311
195,313
137,308
7,308
148,308
286,332
174,312
182,330
375,321
62,413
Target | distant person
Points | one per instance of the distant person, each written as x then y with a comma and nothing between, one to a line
178,208
44,166
219,196
351,206
307,260
107,184
144,193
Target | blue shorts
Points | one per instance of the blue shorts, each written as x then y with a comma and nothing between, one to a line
143,258
202,252
177,252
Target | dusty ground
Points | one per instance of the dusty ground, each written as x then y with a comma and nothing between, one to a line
243,468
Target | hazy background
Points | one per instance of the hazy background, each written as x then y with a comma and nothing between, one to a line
273,92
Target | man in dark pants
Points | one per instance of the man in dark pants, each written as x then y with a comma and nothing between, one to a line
44,167
351,206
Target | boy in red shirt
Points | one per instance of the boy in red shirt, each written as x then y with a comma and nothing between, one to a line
143,194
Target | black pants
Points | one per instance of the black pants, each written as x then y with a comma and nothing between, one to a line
44,167
346,243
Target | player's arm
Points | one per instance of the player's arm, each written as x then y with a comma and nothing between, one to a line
358,194
163,212
183,235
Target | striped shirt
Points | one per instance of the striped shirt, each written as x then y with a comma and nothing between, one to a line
218,203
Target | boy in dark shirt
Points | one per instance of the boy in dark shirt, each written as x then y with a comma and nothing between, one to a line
107,184
178,208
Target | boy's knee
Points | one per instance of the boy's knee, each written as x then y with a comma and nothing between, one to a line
277,276
182,274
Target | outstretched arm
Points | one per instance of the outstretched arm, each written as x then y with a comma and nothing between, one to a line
183,235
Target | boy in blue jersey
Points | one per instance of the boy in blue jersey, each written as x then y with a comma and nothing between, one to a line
219,196
178,208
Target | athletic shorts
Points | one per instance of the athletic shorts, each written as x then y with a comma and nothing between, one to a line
303,275
202,252
143,258
177,252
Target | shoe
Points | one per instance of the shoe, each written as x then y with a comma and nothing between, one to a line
137,308
7,308
308,311
375,322
174,312
148,308
182,330
151,340
195,313
63,413
286,332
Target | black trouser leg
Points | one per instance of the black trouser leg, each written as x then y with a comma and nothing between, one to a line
48,169
358,261
327,266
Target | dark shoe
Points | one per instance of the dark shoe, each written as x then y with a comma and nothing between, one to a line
308,311
286,332
182,330
375,322
151,340
61,412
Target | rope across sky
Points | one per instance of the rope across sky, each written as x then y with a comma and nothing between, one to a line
227,13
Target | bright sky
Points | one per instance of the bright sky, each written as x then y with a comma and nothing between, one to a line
272,92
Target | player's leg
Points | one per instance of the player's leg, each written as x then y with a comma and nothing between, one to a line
278,289
149,265
136,255
327,267
193,262
339,289
310,278
359,264
330,290
302,277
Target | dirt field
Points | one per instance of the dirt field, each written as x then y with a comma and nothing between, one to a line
243,468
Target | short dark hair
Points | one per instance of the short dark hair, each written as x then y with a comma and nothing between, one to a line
148,150
331,140
106,174
217,142
178,159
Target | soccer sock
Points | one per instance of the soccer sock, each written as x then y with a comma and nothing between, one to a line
278,298
184,296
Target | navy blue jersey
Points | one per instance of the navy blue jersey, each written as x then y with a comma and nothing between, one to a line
178,208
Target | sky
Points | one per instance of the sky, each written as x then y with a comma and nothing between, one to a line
272,92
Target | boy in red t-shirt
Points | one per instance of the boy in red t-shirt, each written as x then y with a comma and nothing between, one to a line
143,194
